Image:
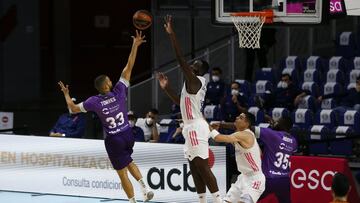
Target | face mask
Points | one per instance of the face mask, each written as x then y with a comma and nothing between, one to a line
149,121
283,85
234,92
132,123
215,78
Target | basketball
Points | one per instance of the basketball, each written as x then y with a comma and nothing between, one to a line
142,19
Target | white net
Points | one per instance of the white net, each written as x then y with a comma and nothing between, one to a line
249,28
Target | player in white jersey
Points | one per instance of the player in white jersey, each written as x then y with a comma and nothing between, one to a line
250,183
196,129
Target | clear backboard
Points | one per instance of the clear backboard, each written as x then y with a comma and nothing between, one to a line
285,11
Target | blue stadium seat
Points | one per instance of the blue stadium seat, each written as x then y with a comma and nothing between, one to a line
318,132
245,87
277,113
265,74
315,62
356,63
258,113
167,128
350,118
353,74
335,75
340,63
346,45
308,102
262,86
312,87
302,118
342,147
328,103
311,75
292,62
212,113
326,117
332,88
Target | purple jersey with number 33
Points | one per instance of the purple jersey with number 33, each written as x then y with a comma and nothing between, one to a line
278,147
111,108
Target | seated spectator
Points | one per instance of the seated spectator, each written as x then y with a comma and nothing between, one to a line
340,188
150,126
175,111
287,95
349,100
215,88
233,104
177,136
69,125
137,131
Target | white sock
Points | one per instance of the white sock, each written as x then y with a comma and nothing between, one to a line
216,197
202,198
142,185
132,200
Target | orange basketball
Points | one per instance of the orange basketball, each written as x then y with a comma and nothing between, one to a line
142,19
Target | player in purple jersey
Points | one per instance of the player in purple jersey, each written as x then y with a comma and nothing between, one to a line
278,146
110,106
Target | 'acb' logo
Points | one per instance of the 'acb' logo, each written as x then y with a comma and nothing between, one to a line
158,178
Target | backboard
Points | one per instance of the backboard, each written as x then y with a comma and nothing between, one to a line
285,11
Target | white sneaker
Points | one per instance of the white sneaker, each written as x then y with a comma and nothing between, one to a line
148,196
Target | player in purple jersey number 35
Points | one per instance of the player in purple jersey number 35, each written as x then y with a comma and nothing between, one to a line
279,145
110,106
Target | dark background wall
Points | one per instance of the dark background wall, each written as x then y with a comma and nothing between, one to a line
56,40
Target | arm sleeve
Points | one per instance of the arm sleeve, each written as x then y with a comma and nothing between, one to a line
121,87
265,134
86,105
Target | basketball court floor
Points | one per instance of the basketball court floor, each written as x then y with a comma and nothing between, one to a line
22,197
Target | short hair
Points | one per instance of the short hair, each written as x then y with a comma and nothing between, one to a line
154,111
250,118
218,69
99,82
285,123
340,185
234,82
286,74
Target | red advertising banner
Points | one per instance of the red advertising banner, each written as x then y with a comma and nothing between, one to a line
311,179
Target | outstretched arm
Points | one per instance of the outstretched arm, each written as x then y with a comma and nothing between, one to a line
243,137
193,84
70,103
164,84
137,41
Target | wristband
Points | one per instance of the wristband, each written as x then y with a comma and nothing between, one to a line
214,133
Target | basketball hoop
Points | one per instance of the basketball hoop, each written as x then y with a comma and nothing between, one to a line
249,25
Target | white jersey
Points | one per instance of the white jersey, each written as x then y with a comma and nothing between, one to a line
248,160
191,104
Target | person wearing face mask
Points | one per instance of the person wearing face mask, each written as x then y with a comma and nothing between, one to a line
69,125
234,103
137,132
149,126
215,88
348,100
286,95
